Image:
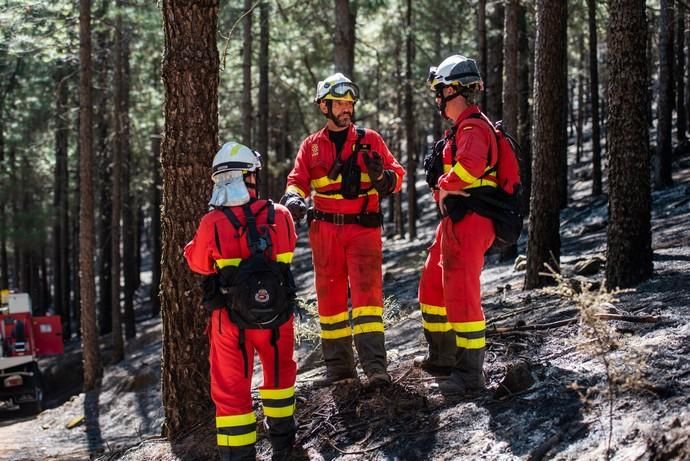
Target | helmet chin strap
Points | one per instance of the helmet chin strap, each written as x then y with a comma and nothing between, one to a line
444,102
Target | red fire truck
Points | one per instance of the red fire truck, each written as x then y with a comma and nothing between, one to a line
23,338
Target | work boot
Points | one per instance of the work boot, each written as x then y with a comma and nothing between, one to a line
431,367
442,348
243,453
339,358
333,379
372,352
467,377
378,379
455,386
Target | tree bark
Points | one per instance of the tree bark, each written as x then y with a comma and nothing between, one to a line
510,83
681,109
526,57
118,352
155,223
594,98
190,76
481,41
262,141
60,198
344,37
493,79
247,40
579,122
410,129
5,172
629,255
687,81
103,158
130,203
544,241
664,153
92,361
510,66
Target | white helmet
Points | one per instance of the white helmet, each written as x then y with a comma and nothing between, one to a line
455,70
230,164
234,156
336,87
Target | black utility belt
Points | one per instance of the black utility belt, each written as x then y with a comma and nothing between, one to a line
363,219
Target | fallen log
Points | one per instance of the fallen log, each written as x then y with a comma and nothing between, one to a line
548,326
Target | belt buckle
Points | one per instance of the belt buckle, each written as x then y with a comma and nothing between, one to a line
338,219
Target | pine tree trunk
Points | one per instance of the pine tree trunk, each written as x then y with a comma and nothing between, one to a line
493,80
262,141
564,135
92,360
580,97
481,43
130,203
155,222
60,224
118,352
510,83
544,242
663,158
14,211
681,109
344,37
629,254
4,228
594,90
75,305
510,66
687,81
190,76
526,57
247,36
410,130
103,152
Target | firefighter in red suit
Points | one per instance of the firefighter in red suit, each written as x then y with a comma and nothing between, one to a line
349,169
449,291
218,246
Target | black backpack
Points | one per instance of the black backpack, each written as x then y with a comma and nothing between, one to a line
260,292
503,208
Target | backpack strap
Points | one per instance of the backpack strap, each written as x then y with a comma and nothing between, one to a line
493,146
231,217
258,242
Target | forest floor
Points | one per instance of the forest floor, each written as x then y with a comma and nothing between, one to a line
574,372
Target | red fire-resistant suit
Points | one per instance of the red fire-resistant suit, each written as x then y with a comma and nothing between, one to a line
345,254
449,290
216,245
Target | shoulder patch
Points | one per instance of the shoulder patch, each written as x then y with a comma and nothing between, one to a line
314,149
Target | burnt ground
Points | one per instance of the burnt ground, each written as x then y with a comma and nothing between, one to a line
574,372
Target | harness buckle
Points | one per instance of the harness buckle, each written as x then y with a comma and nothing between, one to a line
338,219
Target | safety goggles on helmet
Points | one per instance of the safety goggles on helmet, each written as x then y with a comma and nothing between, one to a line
343,91
431,78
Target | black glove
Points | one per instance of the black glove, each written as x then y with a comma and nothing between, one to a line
213,297
374,164
295,204
383,180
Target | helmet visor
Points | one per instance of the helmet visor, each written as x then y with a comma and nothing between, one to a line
431,79
346,91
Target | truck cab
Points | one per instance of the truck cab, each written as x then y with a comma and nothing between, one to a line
23,338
